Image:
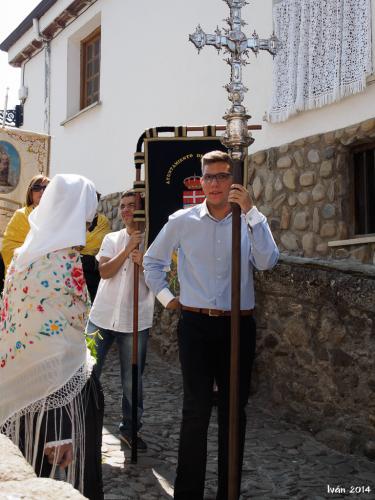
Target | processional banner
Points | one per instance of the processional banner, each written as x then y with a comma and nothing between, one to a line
23,154
172,171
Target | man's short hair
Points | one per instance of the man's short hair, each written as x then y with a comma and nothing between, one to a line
128,193
216,157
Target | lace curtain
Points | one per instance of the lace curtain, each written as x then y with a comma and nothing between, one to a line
326,53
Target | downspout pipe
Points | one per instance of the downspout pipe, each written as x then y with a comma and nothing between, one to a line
5,108
47,76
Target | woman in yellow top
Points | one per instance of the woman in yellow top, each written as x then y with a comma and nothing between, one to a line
18,226
94,236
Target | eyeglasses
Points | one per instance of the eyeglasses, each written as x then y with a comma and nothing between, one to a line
38,187
220,177
131,206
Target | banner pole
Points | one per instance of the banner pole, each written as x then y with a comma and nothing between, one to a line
135,369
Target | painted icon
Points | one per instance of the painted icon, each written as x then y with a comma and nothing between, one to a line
10,165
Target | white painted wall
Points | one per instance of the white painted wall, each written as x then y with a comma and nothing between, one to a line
152,76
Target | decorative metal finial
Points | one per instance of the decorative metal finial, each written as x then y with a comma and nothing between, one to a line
235,43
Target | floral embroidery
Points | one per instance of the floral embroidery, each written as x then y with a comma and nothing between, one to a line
31,299
78,278
52,327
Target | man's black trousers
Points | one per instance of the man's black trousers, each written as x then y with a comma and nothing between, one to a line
204,350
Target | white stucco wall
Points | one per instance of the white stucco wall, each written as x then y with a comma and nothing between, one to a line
152,76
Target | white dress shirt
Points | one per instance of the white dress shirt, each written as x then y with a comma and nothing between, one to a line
113,305
204,246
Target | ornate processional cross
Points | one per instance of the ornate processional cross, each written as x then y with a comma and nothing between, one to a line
236,44
237,139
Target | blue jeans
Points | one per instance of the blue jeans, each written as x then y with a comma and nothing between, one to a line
125,346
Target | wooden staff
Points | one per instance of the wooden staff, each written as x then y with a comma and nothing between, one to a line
135,368
233,454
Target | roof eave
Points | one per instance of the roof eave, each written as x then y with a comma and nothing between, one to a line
26,24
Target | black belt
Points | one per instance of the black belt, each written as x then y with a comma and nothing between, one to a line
216,312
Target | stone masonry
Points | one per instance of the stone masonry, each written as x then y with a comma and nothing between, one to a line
304,190
18,479
316,349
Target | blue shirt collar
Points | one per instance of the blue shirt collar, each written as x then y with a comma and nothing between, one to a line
203,211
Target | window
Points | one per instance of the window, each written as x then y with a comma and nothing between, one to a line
90,69
364,189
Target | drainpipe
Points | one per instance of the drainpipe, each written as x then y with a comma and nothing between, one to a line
5,107
47,76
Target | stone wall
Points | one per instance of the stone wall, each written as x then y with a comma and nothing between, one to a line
109,205
316,348
18,479
304,190
164,330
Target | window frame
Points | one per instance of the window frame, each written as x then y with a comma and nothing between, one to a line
359,148
89,40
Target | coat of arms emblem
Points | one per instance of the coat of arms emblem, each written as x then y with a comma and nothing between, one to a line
194,195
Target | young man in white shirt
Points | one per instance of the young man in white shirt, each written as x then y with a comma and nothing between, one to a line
112,310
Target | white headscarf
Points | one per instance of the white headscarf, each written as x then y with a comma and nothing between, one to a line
59,221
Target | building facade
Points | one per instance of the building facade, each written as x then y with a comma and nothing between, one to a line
99,73
145,74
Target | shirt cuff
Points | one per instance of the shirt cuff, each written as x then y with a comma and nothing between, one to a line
254,217
53,444
99,255
165,296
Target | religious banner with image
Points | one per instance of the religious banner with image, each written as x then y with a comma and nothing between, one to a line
23,154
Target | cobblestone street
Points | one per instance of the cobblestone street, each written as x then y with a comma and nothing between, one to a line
281,462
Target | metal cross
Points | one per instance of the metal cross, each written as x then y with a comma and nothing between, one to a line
237,45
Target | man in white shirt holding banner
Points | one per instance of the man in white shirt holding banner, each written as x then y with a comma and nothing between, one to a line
112,310
202,236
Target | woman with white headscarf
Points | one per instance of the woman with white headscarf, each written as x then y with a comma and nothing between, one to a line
51,404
